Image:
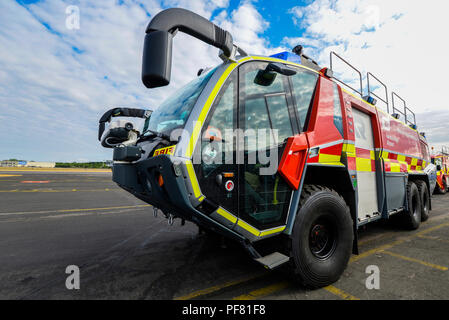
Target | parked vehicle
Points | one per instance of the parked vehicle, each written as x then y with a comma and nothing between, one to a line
330,163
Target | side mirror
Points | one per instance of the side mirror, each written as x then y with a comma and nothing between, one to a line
266,77
157,59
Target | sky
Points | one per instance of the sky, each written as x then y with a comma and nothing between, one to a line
57,77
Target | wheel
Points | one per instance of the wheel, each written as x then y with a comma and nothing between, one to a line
425,199
412,216
322,237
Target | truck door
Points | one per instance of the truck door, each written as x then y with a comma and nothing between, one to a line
366,169
214,162
266,120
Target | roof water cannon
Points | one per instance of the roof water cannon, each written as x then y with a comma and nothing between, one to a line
157,51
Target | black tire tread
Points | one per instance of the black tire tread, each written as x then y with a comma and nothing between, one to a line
422,185
307,192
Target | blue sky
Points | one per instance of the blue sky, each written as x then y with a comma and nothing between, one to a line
55,82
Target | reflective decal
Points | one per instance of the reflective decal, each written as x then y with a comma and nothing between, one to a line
167,150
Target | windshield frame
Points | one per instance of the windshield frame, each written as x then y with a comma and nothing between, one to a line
189,95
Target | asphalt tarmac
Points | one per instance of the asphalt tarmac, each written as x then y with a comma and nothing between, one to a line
52,220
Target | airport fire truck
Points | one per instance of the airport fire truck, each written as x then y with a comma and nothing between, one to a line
271,150
441,161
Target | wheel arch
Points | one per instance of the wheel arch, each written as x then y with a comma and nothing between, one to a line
339,179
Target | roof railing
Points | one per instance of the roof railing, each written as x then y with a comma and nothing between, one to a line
445,150
406,112
371,93
352,67
408,115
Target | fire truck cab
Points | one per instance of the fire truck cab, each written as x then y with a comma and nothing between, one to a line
272,148
441,161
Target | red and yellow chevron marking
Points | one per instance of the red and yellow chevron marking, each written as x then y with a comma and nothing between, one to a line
359,159
328,155
400,163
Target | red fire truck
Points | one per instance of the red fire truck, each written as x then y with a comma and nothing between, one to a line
340,162
441,160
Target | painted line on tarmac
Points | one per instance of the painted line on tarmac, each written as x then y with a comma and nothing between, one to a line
433,238
10,175
262,292
392,244
64,190
73,210
331,289
219,287
340,293
427,264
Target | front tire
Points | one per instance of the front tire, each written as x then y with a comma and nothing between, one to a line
322,237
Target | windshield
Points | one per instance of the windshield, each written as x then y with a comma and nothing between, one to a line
174,111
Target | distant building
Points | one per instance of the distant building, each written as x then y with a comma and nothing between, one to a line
9,163
36,164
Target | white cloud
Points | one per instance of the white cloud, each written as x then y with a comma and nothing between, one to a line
55,83
402,42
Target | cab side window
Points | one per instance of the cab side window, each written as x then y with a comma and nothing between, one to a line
264,108
304,83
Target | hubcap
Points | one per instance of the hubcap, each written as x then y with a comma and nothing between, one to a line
322,239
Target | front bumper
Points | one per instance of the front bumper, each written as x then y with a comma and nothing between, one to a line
177,195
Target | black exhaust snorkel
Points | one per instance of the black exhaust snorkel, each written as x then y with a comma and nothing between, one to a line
157,51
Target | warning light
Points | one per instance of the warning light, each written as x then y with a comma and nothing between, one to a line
229,185
160,180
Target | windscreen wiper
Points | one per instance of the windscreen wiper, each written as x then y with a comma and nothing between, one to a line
157,134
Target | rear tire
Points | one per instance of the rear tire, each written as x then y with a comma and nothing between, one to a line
322,237
425,199
412,217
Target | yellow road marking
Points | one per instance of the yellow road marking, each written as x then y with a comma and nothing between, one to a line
258,293
340,293
433,238
328,288
75,210
392,244
217,288
10,175
18,169
428,264
67,190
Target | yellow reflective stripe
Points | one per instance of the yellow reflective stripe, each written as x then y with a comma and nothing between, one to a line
395,167
204,111
348,148
193,180
401,157
363,164
328,158
267,232
201,198
247,227
338,164
414,161
372,154
226,215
